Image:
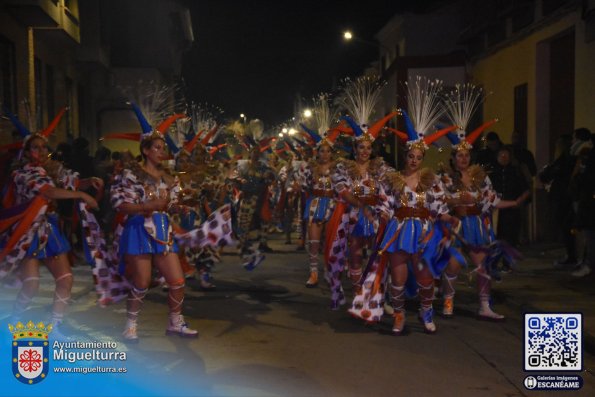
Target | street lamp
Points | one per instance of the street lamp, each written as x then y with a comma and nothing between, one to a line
348,36
243,117
307,113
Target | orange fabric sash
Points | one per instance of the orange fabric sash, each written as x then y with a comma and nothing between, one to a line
332,226
25,220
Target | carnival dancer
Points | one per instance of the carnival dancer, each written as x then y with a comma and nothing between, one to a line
30,225
252,179
315,177
294,195
357,185
470,194
412,201
197,180
147,194
290,193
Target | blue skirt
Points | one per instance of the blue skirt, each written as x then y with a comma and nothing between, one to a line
56,241
437,257
363,227
410,239
475,232
136,241
318,209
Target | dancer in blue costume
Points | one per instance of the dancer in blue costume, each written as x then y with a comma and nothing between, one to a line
147,194
354,222
411,201
316,181
471,198
30,230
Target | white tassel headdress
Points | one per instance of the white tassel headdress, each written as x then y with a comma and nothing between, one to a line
424,110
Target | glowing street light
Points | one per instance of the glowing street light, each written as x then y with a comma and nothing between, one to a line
348,36
292,131
284,130
243,117
307,113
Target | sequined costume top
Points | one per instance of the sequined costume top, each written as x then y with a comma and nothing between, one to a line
321,193
30,224
366,187
476,225
149,233
411,211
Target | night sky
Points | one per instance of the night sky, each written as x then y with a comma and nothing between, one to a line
255,57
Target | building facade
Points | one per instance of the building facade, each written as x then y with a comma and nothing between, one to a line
81,54
536,58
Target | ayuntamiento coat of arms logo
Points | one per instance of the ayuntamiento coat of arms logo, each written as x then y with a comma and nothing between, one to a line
30,351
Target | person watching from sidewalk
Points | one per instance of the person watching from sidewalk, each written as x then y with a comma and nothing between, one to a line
510,183
555,177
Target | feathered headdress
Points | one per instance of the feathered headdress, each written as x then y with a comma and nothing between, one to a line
190,139
26,133
461,103
205,121
323,115
147,131
151,103
423,102
318,140
359,99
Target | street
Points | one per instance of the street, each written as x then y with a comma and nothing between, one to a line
262,333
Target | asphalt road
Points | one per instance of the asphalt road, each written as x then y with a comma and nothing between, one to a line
262,333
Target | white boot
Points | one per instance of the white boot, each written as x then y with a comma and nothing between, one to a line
129,333
486,312
177,326
388,309
426,317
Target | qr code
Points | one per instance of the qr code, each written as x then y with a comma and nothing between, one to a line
553,342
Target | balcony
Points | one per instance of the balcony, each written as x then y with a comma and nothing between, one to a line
45,14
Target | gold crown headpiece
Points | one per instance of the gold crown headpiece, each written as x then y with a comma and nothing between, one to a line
462,141
464,145
152,135
30,330
419,144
